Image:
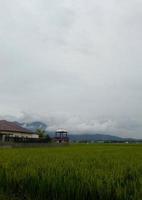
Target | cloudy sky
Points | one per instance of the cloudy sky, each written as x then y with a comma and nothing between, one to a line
75,64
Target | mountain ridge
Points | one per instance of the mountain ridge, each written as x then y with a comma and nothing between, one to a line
33,126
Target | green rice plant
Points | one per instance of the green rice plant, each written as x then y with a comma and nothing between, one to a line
94,172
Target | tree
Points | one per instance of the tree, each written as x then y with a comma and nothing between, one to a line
47,137
40,132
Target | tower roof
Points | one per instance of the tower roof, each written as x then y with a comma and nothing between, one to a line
61,130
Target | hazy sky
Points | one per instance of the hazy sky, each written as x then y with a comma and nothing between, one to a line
75,64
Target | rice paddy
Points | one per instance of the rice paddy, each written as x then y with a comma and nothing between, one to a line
93,171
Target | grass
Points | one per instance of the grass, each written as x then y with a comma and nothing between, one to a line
97,172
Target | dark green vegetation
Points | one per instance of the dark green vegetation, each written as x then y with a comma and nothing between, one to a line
101,172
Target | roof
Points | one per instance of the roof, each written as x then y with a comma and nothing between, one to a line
61,130
12,127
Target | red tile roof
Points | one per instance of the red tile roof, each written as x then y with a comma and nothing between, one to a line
12,127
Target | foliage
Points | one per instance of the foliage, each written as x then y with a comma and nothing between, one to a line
89,171
41,132
47,137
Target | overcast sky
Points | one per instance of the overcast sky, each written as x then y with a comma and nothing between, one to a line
75,64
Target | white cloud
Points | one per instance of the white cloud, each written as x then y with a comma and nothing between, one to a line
82,58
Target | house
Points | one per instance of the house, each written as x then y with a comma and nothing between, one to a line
14,129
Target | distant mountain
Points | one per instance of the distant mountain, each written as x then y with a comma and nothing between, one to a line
33,126
94,137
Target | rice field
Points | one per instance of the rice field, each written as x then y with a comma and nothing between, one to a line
86,172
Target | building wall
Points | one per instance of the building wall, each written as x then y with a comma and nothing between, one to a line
35,136
19,134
